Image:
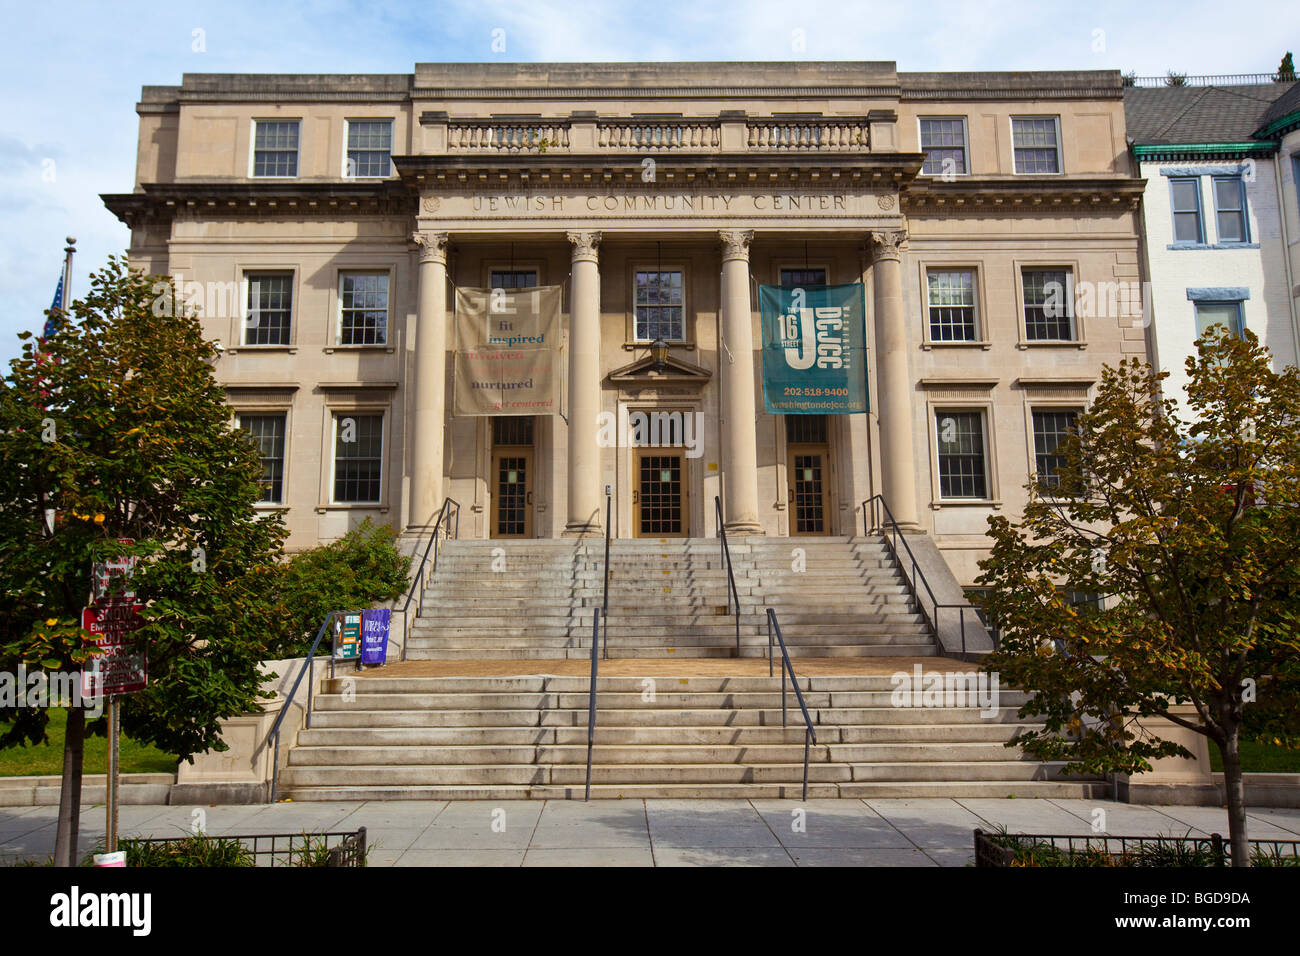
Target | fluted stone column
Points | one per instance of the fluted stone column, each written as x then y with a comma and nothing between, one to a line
894,381
428,411
739,438
584,387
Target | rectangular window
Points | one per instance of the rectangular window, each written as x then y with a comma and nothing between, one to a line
1230,208
275,148
951,296
1036,144
370,148
363,306
1050,428
513,279
358,457
270,308
802,278
943,140
962,471
267,433
1049,305
659,307
1219,313
1186,201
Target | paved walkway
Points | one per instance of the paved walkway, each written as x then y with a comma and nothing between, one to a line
652,832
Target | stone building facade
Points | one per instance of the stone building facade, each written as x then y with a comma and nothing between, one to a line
322,222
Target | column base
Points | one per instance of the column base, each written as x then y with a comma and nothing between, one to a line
748,528
583,531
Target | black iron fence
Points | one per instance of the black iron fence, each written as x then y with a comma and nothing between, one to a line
340,848
1063,849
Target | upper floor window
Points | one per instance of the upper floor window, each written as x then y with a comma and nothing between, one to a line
660,312
358,457
1219,313
1050,428
363,308
267,433
1049,305
963,471
370,148
1036,143
1185,197
1230,209
270,308
275,148
943,140
801,278
951,296
513,279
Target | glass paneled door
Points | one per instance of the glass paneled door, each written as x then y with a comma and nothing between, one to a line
659,500
512,477
808,459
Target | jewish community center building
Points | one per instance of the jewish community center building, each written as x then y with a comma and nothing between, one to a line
789,286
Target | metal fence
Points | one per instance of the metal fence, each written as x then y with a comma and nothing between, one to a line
340,848
1063,849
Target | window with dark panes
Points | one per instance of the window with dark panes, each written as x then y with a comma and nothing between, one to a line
1035,144
1050,428
962,472
802,278
1230,208
358,457
1185,195
659,306
943,140
1049,305
267,433
951,294
513,279
370,148
363,306
270,308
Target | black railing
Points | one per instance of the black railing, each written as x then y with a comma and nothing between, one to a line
448,514
337,848
1048,849
733,596
591,694
604,601
810,735
308,667
876,517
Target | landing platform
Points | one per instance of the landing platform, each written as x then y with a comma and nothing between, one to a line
663,667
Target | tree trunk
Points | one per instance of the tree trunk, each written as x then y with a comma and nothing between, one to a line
1235,791
67,834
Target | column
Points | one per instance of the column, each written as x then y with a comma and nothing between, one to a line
428,411
893,378
739,438
585,500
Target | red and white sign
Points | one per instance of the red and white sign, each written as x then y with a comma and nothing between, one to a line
121,668
108,578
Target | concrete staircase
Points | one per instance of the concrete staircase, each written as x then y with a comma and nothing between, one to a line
533,599
697,737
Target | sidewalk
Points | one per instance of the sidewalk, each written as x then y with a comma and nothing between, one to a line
923,832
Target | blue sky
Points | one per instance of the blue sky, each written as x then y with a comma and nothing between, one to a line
73,70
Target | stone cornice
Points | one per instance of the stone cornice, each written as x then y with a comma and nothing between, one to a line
164,201
926,194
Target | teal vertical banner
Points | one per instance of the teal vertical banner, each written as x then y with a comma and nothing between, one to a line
814,353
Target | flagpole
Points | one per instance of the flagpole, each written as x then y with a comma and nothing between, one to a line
69,249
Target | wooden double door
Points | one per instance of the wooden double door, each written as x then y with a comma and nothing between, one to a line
661,494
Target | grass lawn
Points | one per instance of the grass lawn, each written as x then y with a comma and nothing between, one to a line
1260,758
48,758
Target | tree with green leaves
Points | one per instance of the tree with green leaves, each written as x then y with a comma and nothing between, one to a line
114,428
1184,524
1285,70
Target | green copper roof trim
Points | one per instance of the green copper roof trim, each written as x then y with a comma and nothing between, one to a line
1173,151
1279,125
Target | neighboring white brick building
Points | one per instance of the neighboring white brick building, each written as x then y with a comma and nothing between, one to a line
1216,227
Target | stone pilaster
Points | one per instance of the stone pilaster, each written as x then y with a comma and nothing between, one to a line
894,381
584,387
739,437
427,410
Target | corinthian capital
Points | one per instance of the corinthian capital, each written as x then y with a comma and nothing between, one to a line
584,245
735,243
887,245
433,246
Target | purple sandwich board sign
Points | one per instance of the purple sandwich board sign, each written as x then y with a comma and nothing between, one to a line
374,636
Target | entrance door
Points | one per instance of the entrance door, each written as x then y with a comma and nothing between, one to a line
512,478
808,456
659,500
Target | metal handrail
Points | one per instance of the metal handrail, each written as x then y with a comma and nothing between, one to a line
732,594
604,602
871,521
810,735
591,695
449,511
308,666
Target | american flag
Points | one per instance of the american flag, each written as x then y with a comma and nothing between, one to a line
56,307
